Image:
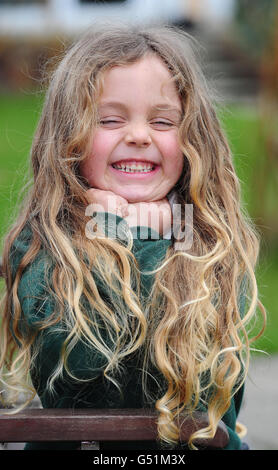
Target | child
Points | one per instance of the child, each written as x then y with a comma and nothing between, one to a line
105,319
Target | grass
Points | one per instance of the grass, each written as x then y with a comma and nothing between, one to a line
243,128
18,118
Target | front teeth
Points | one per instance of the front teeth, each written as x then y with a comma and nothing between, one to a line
135,168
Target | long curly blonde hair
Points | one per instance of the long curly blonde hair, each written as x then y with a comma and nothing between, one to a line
191,326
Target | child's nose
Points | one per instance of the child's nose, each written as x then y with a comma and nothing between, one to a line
138,135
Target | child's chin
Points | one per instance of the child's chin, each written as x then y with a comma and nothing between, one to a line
131,196
132,199
135,195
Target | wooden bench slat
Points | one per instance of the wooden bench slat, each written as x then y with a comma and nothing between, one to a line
95,425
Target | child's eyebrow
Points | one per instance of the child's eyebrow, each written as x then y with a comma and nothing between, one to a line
157,107
167,107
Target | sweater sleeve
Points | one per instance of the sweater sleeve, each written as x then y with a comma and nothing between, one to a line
35,303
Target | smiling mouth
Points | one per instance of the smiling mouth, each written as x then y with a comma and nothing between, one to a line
134,167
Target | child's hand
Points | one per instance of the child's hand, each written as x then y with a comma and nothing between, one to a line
107,201
156,214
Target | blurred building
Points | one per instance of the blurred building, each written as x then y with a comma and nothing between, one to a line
45,17
32,32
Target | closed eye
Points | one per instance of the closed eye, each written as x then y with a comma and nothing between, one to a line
162,124
110,122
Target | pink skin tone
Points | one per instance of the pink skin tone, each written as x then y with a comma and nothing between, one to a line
139,114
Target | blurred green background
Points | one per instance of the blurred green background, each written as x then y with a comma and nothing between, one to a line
249,115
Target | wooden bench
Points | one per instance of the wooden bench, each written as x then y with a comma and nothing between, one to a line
91,426
94,425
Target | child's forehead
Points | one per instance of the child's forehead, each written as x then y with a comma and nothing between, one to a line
149,63
148,76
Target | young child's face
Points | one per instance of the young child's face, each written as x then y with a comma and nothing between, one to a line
135,151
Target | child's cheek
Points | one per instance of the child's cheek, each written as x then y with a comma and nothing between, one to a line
172,153
94,166
102,145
